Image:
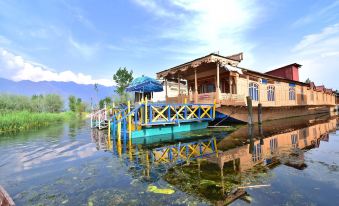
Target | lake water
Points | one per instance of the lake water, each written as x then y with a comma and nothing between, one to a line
287,162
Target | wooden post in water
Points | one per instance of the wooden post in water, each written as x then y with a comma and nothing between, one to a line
92,120
214,107
146,110
129,122
105,112
109,129
250,110
215,147
99,119
142,112
250,137
119,129
260,113
261,134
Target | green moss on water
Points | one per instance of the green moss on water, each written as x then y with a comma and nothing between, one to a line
206,183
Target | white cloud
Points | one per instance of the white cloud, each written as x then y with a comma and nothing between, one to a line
318,53
155,8
4,40
17,68
86,50
312,41
317,13
205,26
79,15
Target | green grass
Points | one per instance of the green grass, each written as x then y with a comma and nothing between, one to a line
15,121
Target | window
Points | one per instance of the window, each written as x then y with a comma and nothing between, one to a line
312,96
291,93
273,145
206,88
294,140
253,91
270,93
256,154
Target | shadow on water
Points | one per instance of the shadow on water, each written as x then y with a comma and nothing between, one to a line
290,161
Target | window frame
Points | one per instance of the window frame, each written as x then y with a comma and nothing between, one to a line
253,91
291,94
271,93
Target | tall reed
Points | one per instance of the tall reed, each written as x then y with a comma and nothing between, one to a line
22,120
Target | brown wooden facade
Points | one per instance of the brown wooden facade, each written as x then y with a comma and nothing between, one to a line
219,78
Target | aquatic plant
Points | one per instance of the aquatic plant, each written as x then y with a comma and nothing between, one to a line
23,120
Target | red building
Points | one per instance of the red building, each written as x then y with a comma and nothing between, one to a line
290,72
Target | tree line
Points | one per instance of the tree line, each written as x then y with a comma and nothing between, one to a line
50,103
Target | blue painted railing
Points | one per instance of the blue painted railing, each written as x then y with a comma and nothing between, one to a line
129,119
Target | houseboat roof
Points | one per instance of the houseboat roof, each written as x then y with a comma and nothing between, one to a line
272,76
320,88
233,60
283,67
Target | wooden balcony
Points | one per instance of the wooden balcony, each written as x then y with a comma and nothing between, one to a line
178,99
232,99
208,98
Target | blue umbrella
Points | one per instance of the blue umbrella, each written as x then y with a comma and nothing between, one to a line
144,84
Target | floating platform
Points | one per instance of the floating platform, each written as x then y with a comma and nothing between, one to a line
169,129
149,119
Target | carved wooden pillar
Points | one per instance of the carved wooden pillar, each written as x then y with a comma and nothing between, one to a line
166,89
195,87
218,92
179,89
230,83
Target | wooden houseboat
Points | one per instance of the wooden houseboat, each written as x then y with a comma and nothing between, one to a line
221,79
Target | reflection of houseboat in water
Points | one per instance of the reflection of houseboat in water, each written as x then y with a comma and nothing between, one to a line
220,78
274,142
247,152
211,167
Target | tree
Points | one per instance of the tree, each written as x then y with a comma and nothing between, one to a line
106,101
72,103
308,81
80,106
96,89
37,103
123,78
53,103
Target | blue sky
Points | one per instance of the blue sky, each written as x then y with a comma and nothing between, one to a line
86,41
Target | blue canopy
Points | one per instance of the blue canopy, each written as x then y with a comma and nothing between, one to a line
144,84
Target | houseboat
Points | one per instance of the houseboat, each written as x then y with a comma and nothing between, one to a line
220,79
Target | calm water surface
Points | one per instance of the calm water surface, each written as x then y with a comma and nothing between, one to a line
285,162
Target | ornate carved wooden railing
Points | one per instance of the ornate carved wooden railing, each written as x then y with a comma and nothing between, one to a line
232,99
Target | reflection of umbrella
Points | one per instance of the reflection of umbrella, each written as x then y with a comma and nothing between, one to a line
144,84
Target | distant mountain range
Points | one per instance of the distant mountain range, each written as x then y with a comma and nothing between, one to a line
65,89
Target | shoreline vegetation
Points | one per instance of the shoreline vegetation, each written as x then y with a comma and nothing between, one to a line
16,121
19,113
